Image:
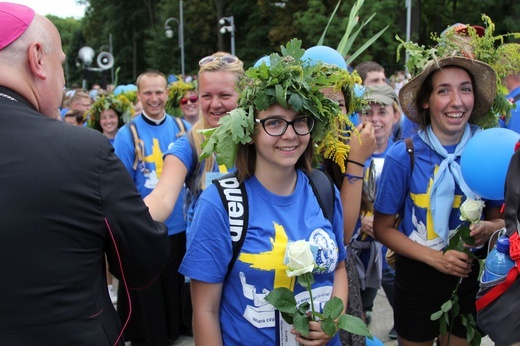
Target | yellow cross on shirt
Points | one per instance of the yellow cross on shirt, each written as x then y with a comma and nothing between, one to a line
156,157
423,201
272,260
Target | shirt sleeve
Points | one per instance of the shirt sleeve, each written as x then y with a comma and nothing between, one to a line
183,151
394,180
210,250
138,246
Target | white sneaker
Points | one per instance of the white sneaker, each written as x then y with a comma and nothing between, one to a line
112,294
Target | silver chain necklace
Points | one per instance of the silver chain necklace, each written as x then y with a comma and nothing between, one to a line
8,97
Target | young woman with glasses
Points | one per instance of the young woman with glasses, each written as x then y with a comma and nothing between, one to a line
228,305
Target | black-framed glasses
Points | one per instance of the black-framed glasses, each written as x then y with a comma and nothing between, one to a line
276,126
226,59
192,99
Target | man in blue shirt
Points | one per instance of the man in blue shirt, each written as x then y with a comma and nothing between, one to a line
156,311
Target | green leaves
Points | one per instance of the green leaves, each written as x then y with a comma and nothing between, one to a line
354,325
306,280
234,128
460,237
283,299
349,37
301,324
333,308
330,320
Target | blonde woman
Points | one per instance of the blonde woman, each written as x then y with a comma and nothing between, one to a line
217,78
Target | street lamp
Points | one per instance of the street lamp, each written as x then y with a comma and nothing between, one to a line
169,33
229,28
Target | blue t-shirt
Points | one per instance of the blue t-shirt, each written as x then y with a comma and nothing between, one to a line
409,196
184,152
364,255
404,128
273,222
156,139
514,121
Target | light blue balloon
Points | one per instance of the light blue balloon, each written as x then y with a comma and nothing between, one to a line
485,160
324,54
119,89
262,60
172,78
131,87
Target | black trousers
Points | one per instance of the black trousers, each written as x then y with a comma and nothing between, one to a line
158,310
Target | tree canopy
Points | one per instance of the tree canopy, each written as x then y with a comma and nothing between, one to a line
136,29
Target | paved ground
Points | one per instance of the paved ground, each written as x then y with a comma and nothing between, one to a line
382,322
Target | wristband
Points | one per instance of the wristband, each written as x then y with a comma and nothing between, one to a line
352,178
356,163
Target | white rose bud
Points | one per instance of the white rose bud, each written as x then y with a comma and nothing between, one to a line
471,210
300,257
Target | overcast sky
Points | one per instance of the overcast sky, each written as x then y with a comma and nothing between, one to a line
59,8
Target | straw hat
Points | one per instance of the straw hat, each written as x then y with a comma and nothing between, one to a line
484,88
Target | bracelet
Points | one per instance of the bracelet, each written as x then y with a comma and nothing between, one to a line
352,178
356,163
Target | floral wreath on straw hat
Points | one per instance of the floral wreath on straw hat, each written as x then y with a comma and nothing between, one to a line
291,83
484,88
120,103
176,92
504,59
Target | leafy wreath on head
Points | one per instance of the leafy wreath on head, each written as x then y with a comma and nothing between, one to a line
176,92
120,103
503,58
294,84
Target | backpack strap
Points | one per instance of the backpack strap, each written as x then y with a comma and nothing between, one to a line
182,127
409,149
411,154
138,145
323,188
234,197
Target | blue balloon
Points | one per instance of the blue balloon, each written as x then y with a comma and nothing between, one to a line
131,87
119,89
485,160
326,55
263,60
172,78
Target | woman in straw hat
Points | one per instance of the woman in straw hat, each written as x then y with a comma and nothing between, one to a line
444,99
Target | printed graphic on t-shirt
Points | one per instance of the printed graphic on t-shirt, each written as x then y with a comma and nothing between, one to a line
259,312
425,233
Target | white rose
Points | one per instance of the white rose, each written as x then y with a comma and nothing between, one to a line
300,257
471,210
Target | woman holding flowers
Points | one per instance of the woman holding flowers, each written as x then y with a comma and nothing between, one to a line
444,99
271,134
